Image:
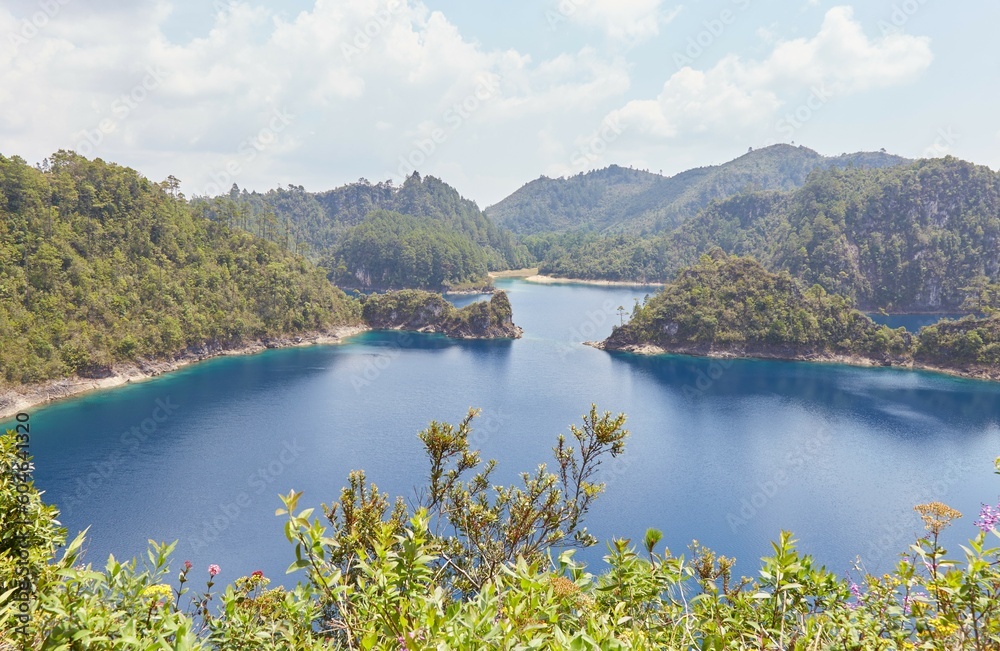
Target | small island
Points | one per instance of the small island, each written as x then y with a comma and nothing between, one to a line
730,306
421,311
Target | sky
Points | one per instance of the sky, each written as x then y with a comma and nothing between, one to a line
488,95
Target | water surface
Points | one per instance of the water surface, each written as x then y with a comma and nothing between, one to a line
729,454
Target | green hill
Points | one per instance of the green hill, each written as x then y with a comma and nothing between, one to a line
911,238
99,265
618,200
733,306
318,224
388,250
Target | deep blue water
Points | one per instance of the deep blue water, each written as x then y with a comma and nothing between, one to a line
912,322
726,454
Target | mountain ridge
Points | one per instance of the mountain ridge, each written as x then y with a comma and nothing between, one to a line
621,200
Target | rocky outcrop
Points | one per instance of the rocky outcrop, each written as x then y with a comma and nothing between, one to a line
422,311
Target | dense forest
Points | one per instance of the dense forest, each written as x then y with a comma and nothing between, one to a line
616,200
330,227
412,309
99,265
729,304
388,250
732,306
912,237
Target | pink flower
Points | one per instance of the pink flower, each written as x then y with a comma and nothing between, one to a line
258,574
213,570
187,566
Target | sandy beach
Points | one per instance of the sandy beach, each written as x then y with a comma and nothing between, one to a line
552,280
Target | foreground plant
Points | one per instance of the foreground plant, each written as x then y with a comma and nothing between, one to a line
478,566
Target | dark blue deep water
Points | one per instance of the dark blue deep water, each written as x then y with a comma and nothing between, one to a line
728,454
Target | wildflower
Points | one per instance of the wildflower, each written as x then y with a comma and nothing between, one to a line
160,594
909,600
563,587
213,570
187,566
988,518
856,591
258,574
936,516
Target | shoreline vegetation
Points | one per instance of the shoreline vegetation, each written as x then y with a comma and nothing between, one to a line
981,373
410,310
731,307
18,399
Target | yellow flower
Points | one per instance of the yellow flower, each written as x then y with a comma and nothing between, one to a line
160,593
936,516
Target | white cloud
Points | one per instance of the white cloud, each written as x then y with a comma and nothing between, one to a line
362,83
737,94
623,20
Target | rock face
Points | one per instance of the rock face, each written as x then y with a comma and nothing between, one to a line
422,311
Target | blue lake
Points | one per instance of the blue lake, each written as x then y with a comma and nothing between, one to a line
912,322
728,454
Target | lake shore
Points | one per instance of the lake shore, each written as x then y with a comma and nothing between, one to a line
14,401
985,373
552,280
515,273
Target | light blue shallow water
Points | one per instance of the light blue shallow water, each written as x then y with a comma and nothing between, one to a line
727,454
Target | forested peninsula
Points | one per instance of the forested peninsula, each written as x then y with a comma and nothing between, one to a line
107,277
731,306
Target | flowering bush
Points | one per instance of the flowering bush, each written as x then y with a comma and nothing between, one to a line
415,581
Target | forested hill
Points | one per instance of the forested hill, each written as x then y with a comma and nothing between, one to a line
99,265
732,305
320,222
907,238
389,250
619,200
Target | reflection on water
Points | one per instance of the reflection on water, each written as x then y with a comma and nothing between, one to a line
729,453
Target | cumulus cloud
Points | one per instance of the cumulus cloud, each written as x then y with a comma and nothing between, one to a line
621,20
736,93
263,98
